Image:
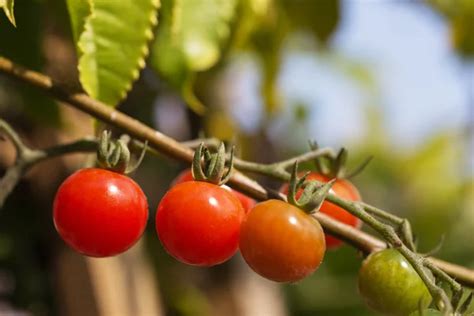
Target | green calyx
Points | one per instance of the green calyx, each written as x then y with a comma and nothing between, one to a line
211,167
313,194
113,154
335,167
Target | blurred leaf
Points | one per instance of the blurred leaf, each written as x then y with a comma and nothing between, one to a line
248,17
356,70
78,10
462,34
301,112
167,57
319,17
113,46
190,39
192,302
23,45
460,16
220,125
268,44
187,91
432,188
200,27
7,6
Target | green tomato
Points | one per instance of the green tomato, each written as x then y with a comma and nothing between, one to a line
427,312
389,284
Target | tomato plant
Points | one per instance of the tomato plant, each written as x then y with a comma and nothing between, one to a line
198,223
247,203
281,242
100,213
343,189
389,284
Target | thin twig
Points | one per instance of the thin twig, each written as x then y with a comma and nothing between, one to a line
27,157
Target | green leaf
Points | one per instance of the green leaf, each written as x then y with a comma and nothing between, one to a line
79,10
190,38
113,46
319,17
7,6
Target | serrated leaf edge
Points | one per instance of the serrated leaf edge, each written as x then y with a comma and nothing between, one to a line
141,62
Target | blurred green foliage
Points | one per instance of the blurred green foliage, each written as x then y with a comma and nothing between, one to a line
460,16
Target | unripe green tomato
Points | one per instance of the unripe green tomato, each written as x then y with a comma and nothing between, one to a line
389,284
427,312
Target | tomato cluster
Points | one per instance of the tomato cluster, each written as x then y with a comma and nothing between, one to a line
103,213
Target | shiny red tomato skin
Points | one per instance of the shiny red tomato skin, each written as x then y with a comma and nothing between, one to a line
247,203
281,242
100,213
343,189
198,223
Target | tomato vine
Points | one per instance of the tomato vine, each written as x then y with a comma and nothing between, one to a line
395,231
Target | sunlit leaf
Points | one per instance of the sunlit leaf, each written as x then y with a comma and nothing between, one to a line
7,6
79,10
113,46
201,26
190,39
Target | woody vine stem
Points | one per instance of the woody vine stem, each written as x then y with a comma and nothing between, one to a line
395,231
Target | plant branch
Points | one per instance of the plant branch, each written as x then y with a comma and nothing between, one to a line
27,157
175,150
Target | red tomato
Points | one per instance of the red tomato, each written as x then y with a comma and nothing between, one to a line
100,213
343,189
281,242
247,203
198,223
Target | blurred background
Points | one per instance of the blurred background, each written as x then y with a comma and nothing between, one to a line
392,79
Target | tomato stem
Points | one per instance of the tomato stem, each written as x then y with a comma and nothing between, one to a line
313,194
211,167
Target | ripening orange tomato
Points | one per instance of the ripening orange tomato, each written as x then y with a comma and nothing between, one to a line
281,242
343,189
